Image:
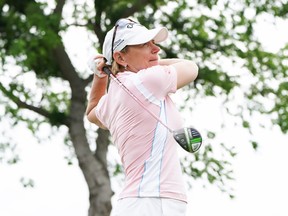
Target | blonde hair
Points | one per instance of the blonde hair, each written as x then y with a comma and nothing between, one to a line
116,67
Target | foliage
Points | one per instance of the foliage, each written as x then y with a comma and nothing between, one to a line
219,35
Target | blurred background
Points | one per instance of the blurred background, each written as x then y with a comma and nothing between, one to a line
49,153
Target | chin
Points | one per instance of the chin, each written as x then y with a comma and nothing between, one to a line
154,63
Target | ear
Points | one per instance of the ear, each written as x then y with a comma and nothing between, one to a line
119,58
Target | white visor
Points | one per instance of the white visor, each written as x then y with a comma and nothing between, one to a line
129,32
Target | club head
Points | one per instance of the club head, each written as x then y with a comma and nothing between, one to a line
188,138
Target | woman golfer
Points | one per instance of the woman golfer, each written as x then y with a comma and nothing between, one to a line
154,184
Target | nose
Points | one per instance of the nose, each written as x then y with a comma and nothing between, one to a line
154,47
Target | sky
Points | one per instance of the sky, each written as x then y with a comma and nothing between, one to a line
261,176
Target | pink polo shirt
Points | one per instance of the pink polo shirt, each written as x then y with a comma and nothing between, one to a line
147,149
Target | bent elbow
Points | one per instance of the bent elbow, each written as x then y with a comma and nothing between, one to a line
194,72
93,119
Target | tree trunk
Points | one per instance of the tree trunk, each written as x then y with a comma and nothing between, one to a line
93,166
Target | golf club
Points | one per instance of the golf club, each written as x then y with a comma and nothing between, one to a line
188,138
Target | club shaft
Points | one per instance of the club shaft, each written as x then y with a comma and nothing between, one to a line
115,79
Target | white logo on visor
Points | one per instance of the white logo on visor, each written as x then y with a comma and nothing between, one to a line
130,25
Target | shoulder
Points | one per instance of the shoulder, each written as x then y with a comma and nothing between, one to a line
159,79
159,69
158,73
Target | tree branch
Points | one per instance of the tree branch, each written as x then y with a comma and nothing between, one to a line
39,110
59,7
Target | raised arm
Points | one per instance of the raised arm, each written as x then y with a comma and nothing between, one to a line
187,70
98,89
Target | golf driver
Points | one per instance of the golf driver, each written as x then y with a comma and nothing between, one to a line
188,138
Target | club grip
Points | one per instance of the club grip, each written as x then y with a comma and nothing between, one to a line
107,70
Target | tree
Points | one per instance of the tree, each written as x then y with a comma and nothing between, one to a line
210,32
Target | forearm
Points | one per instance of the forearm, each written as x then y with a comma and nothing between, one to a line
98,89
187,70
